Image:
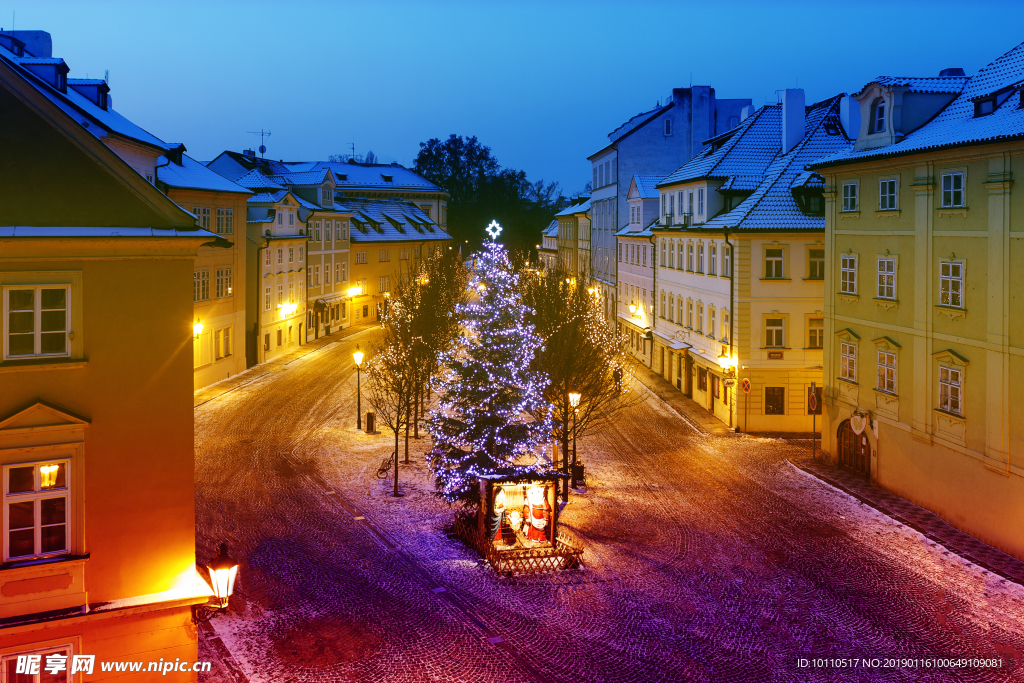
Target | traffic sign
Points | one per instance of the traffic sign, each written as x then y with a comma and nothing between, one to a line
812,401
745,384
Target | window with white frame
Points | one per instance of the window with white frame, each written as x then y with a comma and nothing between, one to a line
291,218
53,664
327,274
712,323
385,254
850,197
203,215
266,257
280,256
815,333
224,288
326,196
700,258
385,284
316,276
878,116
848,274
887,278
724,338
952,189
280,295
816,264
291,292
266,299
37,321
36,509
344,272
950,390
689,256
773,263
280,217
225,221
700,318
301,251
663,313
689,313
700,201
886,372
951,284
316,231
291,254
712,259
672,255
773,329
887,194
848,361
360,257
201,285
727,261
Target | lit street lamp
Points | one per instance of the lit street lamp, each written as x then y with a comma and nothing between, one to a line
358,357
222,574
574,401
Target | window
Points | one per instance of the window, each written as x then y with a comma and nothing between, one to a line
700,201
952,189
887,194
37,321
201,285
316,232
326,196
887,278
266,299
878,116
700,318
887,372
773,332
316,276
280,337
644,263
689,313
360,257
280,217
266,257
774,400
727,261
849,196
773,263
291,218
700,258
385,255
415,252
385,284
301,250
672,255
663,304
725,328
202,216
36,509
985,106
225,221
280,295
689,256
224,288
668,126
816,261
291,254
403,254
815,333
712,259
280,256
848,361
848,274
327,274
951,283
711,322
702,379
344,272
950,390
291,290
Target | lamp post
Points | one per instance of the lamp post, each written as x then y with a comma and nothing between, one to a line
222,573
574,401
358,357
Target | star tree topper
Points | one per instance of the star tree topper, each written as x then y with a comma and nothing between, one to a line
494,230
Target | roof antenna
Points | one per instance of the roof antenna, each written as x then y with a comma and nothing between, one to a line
106,76
263,134
353,150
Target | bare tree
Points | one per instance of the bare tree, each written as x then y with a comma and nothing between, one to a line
582,355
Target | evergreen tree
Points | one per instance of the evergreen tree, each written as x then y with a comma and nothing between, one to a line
482,426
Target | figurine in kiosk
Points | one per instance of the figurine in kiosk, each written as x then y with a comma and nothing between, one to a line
536,514
498,521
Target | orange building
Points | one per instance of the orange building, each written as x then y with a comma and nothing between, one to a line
96,454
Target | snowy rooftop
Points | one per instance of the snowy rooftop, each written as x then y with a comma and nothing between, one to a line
316,177
552,229
254,180
930,84
191,174
957,124
389,220
647,185
582,207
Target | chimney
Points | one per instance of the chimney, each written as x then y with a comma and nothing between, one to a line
249,153
792,118
849,116
955,71
746,112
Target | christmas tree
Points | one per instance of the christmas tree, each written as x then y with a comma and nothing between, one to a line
484,424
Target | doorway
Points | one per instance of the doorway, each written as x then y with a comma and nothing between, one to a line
854,449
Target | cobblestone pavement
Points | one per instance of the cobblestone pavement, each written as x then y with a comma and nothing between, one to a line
708,558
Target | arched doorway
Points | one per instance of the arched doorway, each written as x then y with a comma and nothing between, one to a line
854,449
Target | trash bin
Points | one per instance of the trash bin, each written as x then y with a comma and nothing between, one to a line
370,420
577,475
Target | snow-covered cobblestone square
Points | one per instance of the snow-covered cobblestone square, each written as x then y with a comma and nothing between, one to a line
707,559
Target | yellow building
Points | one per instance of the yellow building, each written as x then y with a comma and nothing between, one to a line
574,237
923,324
547,250
389,239
740,264
96,372
219,278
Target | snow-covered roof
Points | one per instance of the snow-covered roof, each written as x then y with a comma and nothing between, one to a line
626,232
354,176
191,174
92,231
581,207
745,153
929,84
315,177
956,124
254,180
773,205
552,229
389,220
269,197
646,186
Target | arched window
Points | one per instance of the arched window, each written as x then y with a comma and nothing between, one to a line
878,115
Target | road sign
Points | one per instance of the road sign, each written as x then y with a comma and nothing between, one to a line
746,385
812,401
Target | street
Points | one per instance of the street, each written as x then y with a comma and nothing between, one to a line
706,559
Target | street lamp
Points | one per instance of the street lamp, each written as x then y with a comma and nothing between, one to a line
358,358
197,329
574,401
222,573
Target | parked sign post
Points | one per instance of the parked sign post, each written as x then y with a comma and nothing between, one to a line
745,385
812,404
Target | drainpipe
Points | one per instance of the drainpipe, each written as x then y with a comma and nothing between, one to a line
654,291
732,318
259,308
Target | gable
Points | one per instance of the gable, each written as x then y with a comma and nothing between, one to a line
55,173
40,416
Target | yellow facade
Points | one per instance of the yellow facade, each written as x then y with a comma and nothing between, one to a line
95,399
933,374
328,274
377,267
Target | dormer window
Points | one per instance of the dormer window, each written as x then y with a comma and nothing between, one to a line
878,116
387,178
985,106
325,196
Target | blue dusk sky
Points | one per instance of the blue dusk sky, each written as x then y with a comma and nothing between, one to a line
541,83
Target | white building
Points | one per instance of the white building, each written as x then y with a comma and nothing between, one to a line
635,265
